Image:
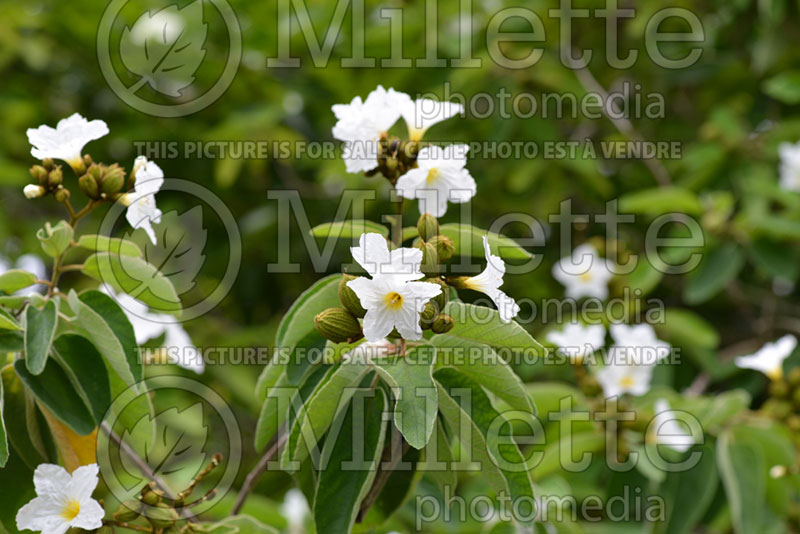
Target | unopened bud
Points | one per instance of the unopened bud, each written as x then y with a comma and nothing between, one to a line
128,511
87,160
444,247
427,226
442,323
48,163
428,313
162,516
430,259
442,298
151,495
113,179
39,174
88,184
62,195
34,191
348,297
338,325
55,177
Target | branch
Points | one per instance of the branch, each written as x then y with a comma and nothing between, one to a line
136,459
259,469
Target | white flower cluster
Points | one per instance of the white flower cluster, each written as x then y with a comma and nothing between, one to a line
66,141
440,175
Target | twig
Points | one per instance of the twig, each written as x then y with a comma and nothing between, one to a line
136,459
395,451
259,469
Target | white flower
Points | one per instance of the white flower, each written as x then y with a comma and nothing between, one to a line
148,325
489,282
578,340
667,431
33,191
617,377
361,123
66,140
790,166
423,113
439,177
391,297
62,500
637,344
368,351
769,358
141,202
584,273
295,510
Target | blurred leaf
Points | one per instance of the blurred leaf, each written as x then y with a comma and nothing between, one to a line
660,200
468,241
16,279
687,329
688,494
784,87
742,469
40,328
775,258
7,322
351,229
716,270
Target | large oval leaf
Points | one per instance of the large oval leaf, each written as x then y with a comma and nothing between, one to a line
86,370
40,328
351,229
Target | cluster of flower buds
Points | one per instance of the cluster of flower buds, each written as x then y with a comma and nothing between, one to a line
102,181
395,157
436,248
49,178
784,402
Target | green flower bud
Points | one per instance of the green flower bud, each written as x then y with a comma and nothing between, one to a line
55,239
430,259
796,398
444,247
442,298
163,516
39,174
95,171
88,184
427,226
794,377
105,529
113,179
151,495
348,297
338,325
87,160
128,511
426,317
442,323
48,164
62,195
55,177
779,389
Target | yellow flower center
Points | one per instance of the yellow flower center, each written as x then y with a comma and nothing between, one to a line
775,374
394,301
433,175
71,510
627,382
585,277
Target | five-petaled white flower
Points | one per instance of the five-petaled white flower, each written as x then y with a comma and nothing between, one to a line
62,500
361,123
790,166
148,325
637,344
667,431
617,377
489,282
391,297
66,140
584,273
422,113
578,340
141,202
769,358
439,177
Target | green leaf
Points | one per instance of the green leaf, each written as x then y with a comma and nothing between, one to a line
351,229
784,87
55,239
238,524
17,410
483,325
482,364
329,397
16,279
7,322
415,396
86,370
135,277
11,341
660,200
463,404
296,329
113,245
688,494
55,391
40,328
775,258
716,270
687,329
468,241
342,486
743,472
3,434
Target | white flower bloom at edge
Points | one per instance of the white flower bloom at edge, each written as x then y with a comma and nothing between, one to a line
769,358
578,340
637,344
142,211
361,123
391,297
62,500
617,378
148,325
584,273
667,431
33,191
440,177
66,140
489,282
295,510
790,166
422,113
